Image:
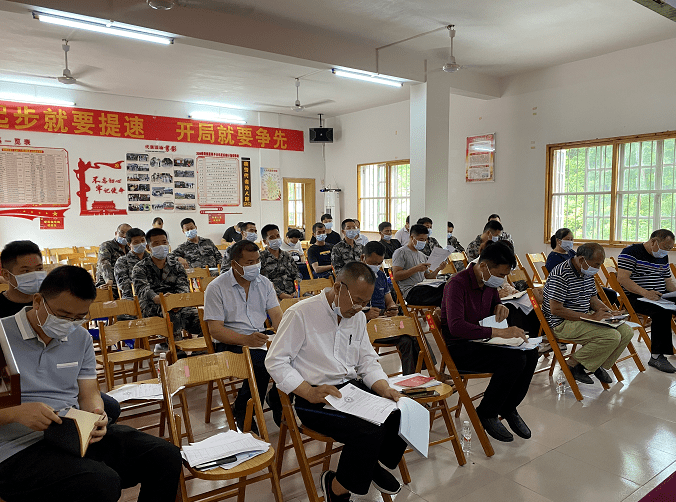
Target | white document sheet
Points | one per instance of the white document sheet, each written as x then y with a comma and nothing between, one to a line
414,425
665,304
669,295
522,302
216,448
437,256
490,322
137,391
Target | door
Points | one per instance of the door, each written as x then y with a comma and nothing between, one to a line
299,205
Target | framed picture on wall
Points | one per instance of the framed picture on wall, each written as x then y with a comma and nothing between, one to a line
480,158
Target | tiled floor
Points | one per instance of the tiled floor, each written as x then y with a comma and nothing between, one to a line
615,445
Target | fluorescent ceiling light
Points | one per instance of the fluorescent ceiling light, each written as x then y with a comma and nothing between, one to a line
215,117
24,98
103,26
368,77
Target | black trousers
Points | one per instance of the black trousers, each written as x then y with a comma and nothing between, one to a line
527,322
364,443
124,458
660,330
512,372
408,348
111,407
425,295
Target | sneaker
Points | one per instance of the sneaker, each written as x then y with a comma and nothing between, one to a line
325,481
384,481
161,347
662,364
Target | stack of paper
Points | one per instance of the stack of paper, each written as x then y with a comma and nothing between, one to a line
436,257
665,304
401,382
225,450
137,391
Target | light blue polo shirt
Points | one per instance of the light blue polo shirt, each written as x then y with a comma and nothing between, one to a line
49,374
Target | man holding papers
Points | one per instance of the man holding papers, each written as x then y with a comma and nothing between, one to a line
569,297
321,346
470,297
643,272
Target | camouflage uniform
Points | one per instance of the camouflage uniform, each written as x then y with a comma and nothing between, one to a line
342,253
202,254
453,241
225,262
472,250
123,268
149,281
430,245
109,252
281,271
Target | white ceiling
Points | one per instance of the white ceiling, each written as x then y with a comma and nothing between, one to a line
497,38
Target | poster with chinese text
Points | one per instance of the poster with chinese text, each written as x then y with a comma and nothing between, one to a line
271,184
480,158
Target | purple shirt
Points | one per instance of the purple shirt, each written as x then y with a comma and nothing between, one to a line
465,304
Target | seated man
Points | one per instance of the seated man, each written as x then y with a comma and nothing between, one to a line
162,273
361,238
348,249
469,297
125,264
452,243
236,305
109,252
322,345
277,265
410,267
504,236
382,304
232,234
332,237
643,271
403,234
431,241
158,222
249,233
291,244
492,231
32,470
319,254
569,294
196,252
391,244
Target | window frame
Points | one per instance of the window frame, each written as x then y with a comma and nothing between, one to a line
616,142
388,197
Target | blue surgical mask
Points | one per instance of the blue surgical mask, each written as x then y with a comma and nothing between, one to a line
275,243
251,236
589,271
250,272
139,248
495,238
449,235
320,237
493,281
30,282
374,268
420,245
351,234
57,328
567,245
387,237
160,252
121,241
191,234
660,253
328,225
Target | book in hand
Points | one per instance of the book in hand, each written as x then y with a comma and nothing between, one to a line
515,296
74,431
613,322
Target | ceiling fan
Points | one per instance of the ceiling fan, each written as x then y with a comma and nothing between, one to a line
451,66
297,107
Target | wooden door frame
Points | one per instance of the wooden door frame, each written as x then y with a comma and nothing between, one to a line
308,203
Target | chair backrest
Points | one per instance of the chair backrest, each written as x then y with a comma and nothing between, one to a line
104,294
287,302
446,358
204,282
223,247
196,273
387,264
115,308
614,284
180,300
601,292
537,261
610,262
384,327
132,330
70,257
314,286
519,274
305,245
400,297
66,250
673,269
205,331
544,325
48,267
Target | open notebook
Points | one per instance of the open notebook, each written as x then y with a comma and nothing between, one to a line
75,431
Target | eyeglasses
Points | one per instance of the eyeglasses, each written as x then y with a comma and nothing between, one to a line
355,306
69,319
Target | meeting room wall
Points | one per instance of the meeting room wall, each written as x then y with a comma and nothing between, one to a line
92,230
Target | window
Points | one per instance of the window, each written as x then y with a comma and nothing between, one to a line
295,205
384,194
612,191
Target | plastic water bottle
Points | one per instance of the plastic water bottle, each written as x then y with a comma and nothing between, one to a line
466,438
163,356
561,383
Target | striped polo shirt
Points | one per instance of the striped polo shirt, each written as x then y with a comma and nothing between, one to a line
647,271
568,286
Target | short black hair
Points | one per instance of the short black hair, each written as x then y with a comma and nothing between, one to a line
423,220
135,232
268,228
74,280
662,234
326,216
153,232
15,249
316,226
450,224
355,270
418,230
493,225
158,219
559,235
384,225
589,249
374,247
498,254
294,233
408,219
245,224
122,225
494,216
185,221
345,222
238,249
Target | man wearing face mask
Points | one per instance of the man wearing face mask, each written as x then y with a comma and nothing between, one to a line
431,241
643,271
504,236
410,268
249,233
162,273
277,265
569,294
361,238
492,231
196,252
125,264
332,237
469,297
319,254
348,249
56,360
22,269
387,240
109,252
322,345
236,305
232,234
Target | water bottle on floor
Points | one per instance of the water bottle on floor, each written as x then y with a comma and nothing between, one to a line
466,438
560,383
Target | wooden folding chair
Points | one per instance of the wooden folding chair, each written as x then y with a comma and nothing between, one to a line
413,311
313,286
54,252
450,267
204,282
519,275
223,247
177,301
200,370
104,294
195,275
287,302
639,323
537,263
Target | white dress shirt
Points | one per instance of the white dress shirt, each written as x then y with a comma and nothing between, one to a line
311,346
403,236
362,239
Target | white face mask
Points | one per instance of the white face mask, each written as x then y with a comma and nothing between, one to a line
351,233
589,271
160,252
191,234
250,272
495,238
492,281
320,237
328,225
121,241
251,236
567,245
55,327
660,253
139,248
374,268
29,283
275,243
336,304
387,237
419,245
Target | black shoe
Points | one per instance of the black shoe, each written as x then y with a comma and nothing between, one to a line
180,354
239,420
496,430
580,374
603,375
325,481
385,482
517,424
662,364
275,406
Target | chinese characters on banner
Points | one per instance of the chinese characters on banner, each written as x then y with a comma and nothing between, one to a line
216,218
218,179
480,158
271,184
101,123
246,182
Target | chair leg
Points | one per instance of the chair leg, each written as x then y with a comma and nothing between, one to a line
403,470
617,373
450,428
210,398
241,492
327,460
476,423
571,380
274,480
186,416
281,448
303,464
635,357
